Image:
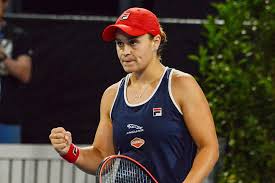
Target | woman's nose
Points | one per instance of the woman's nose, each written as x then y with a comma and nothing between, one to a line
127,49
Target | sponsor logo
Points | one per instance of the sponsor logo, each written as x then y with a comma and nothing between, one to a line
134,129
137,142
157,111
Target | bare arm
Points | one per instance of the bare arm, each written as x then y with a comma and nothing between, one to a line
20,68
90,157
199,121
102,146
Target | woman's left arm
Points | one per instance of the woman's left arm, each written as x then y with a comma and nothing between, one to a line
199,121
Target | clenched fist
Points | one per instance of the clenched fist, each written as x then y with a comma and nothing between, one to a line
61,140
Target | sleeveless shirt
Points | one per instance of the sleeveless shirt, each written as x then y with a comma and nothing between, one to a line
154,132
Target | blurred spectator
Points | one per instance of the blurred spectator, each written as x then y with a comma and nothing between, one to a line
15,66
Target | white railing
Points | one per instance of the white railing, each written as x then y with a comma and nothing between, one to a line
39,163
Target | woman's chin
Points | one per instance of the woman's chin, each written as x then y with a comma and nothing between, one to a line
129,69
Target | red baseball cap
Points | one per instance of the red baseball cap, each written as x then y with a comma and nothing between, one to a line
134,22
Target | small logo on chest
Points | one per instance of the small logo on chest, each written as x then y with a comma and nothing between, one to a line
157,112
137,142
133,128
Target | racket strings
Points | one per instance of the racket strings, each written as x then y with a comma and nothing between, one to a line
122,171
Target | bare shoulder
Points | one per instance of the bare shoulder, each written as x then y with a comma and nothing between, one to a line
185,87
183,80
108,99
110,92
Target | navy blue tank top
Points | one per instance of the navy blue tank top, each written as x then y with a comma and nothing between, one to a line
154,132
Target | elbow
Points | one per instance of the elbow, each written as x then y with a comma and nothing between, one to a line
24,69
25,75
212,151
25,78
215,153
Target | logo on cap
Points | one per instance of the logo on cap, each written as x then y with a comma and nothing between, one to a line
125,16
137,142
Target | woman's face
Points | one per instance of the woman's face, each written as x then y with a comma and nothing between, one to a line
135,53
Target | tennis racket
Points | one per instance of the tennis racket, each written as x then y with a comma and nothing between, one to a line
122,169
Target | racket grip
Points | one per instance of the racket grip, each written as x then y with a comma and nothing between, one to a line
72,154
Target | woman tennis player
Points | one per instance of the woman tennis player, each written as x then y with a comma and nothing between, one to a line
156,115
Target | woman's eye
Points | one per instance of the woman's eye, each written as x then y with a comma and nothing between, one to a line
120,44
133,42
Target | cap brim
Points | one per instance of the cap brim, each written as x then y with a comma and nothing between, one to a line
110,31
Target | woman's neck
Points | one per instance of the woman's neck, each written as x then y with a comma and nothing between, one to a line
151,73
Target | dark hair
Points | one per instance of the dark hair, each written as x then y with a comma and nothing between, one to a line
163,42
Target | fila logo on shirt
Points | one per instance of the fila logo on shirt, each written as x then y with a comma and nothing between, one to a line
157,111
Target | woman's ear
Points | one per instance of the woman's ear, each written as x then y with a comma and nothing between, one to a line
156,42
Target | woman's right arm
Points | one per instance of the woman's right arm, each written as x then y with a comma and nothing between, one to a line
90,157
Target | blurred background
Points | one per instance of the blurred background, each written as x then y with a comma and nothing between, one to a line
72,66
232,56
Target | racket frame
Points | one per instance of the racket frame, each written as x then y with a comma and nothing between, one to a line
107,159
